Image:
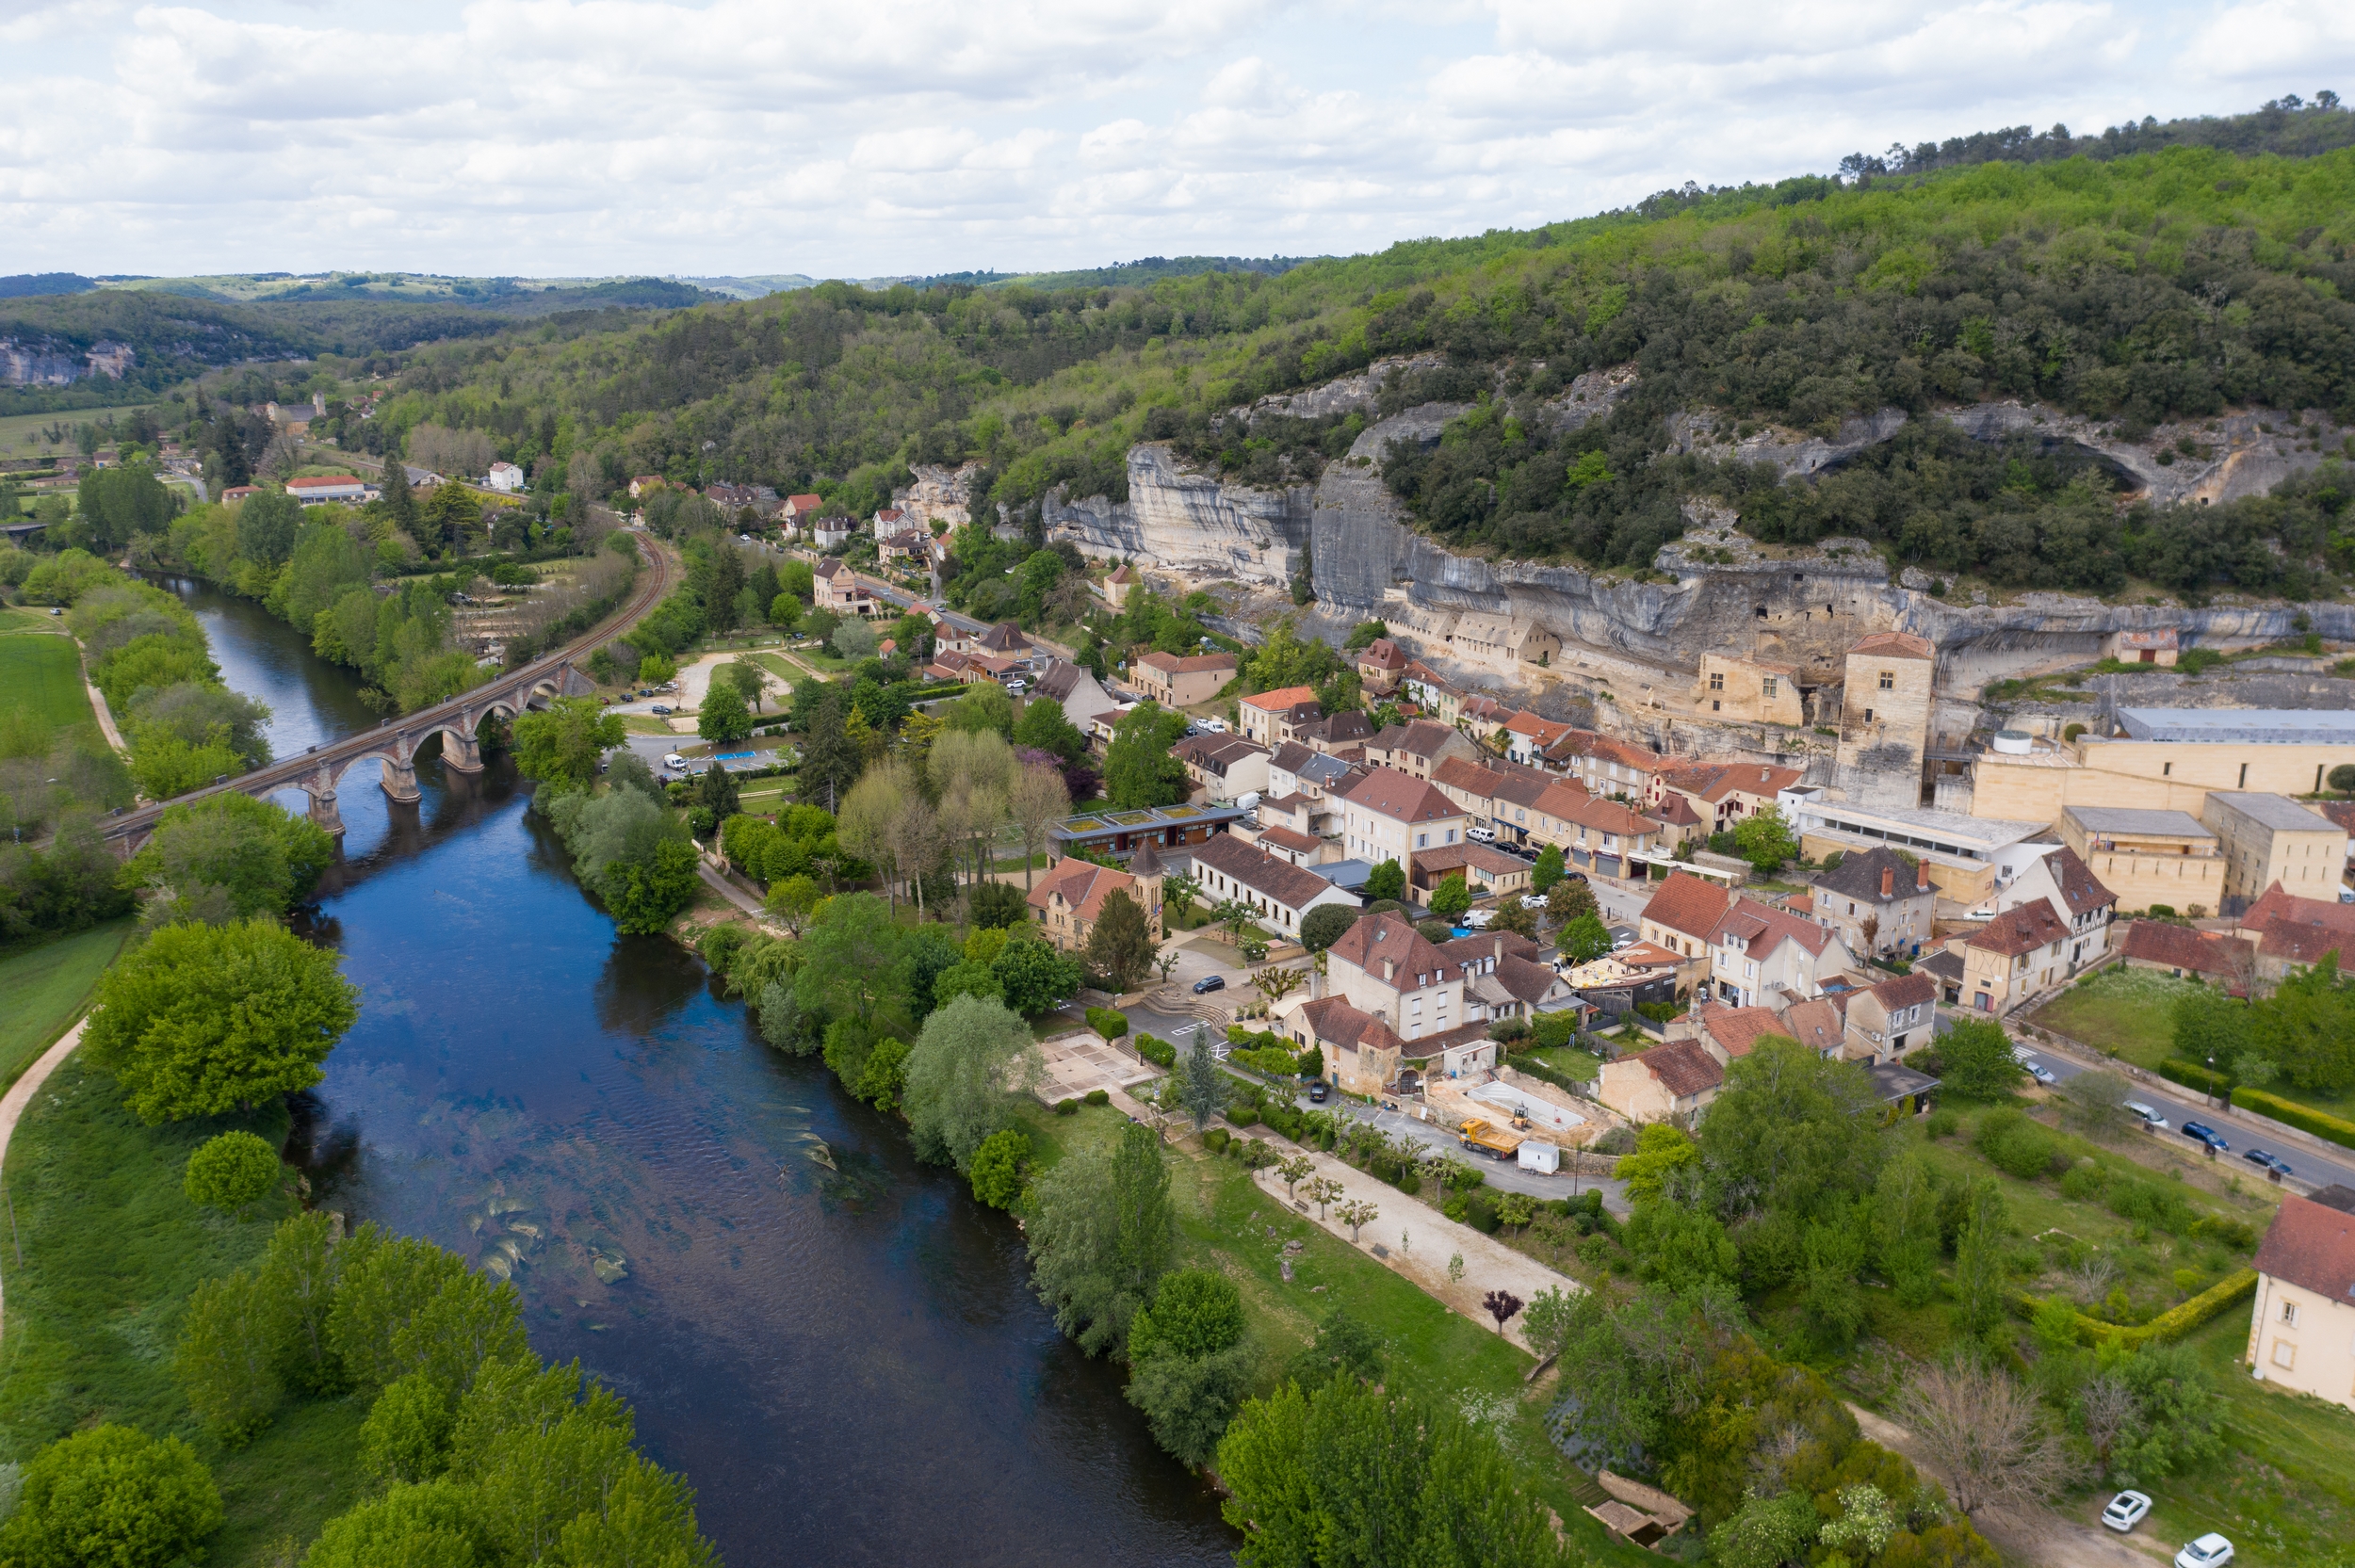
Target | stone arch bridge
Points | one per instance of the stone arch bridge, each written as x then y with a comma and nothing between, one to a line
319,772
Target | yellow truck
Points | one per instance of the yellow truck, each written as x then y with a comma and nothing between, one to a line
1482,1138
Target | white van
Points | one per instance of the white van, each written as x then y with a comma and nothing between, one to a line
675,763
2146,1115
1481,836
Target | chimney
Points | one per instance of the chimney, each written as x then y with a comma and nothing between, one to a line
1921,875
1889,880
1500,946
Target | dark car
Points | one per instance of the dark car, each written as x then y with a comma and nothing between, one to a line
2270,1161
2207,1135
1209,983
1317,1091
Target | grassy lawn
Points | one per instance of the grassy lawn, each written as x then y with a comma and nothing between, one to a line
43,990
2284,1491
112,1251
44,673
1568,1060
2127,1012
1223,1224
20,433
16,620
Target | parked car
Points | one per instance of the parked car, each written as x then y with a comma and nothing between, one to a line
1481,836
661,709
1533,900
2269,1160
2125,1510
1208,984
2041,1073
1318,1091
2146,1115
674,762
2205,1134
2210,1551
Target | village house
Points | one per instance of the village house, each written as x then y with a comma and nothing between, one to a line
1224,765
1470,784
1341,734
2187,953
1271,717
1069,898
1763,955
318,489
2301,1331
1593,834
1280,892
1502,643
889,522
1177,681
1888,1019
644,485
1387,997
1427,689
2020,952
1681,917
1293,846
1309,784
1528,736
1114,589
2063,880
1607,765
1721,794
835,587
1074,688
1876,903
1392,816
1750,691
1487,872
1671,1083
1381,665
2293,933
1416,748
832,533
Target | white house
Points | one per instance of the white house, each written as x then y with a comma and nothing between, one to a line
1281,892
1761,956
505,477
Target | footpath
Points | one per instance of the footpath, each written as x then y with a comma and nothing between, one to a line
20,1094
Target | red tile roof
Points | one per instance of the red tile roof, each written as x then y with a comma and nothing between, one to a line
1904,645
2022,929
1281,701
1905,991
1333,1022
1683,1067
2182,947
1451,857
1764,928
1192,664
1286,839
1689,904
1401,796
1293,887
1738,1030
2310,1246
1084,886
1386,938
1381,653
1467,775
2278,905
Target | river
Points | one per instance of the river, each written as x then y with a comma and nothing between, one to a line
846,1362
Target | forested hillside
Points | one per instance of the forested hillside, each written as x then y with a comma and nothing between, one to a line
2129,289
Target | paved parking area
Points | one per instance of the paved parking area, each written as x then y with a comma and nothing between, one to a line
1080,1062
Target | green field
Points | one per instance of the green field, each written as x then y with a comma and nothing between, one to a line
20,433
43,990
44,673
2128,1012
112,1251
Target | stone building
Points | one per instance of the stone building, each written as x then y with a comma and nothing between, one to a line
1885,718
1750,690
2148,857
1069,898
2301,1331
2266,839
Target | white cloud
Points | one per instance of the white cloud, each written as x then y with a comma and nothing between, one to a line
622,136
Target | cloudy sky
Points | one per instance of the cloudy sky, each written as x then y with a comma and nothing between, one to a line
554,137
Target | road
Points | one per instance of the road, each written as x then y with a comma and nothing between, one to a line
2179,1104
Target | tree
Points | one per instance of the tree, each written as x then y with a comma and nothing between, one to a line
1764,840
2210,1029
1584,939
996,906
2343,778
225,1360
1036,800
750,680
1978,1280
1187,1369
722,718
1385,881
1515,916
1356,1213
1120,945
562,743
853,640
1548,871
1680,1245
1101,1237
1976,1061
443,1521
231,1171
1452,898
1275,983
1299,1168
1139,768
1571,899
1034,977
1981,1429
1343,1347
261,858
644,896
1201,1086
113,1495
996,1167
1324,1191
1044,726
1790,1128
2175,1423
1549,1323
1664,1161
2307,1027
1501,1305
1323,925
202,1020
1765,1532
971,1055
2095,1102
791,901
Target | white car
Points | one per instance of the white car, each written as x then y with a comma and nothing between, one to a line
2041,1073
2210,1551
1215,726
1533,900
2125,1510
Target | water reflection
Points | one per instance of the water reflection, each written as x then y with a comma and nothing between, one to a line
840,1352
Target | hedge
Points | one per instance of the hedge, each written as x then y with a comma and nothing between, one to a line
2172,1324
1160,1053
2304,1118
1544,1074
2193,1075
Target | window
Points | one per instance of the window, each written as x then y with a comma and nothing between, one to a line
1717,680
1766,686
2289,1313
2284,1354
1889,680
1422,841
2244,775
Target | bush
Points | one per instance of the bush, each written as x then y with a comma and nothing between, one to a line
1244,1113
993,905
2169,1325
2192,1076
1216,1140
2149,1204
2014,1144
2083,1181
996,1169
1160,1053
1100,1097
111,1496
2304,1118
1066,1108
2222,1229
231,1171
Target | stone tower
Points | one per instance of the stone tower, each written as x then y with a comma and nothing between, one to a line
1146,867
1885,719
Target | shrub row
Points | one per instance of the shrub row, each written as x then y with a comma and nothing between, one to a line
1160,1053
2172,1324
2193,1075
2304,1118
1544,1074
